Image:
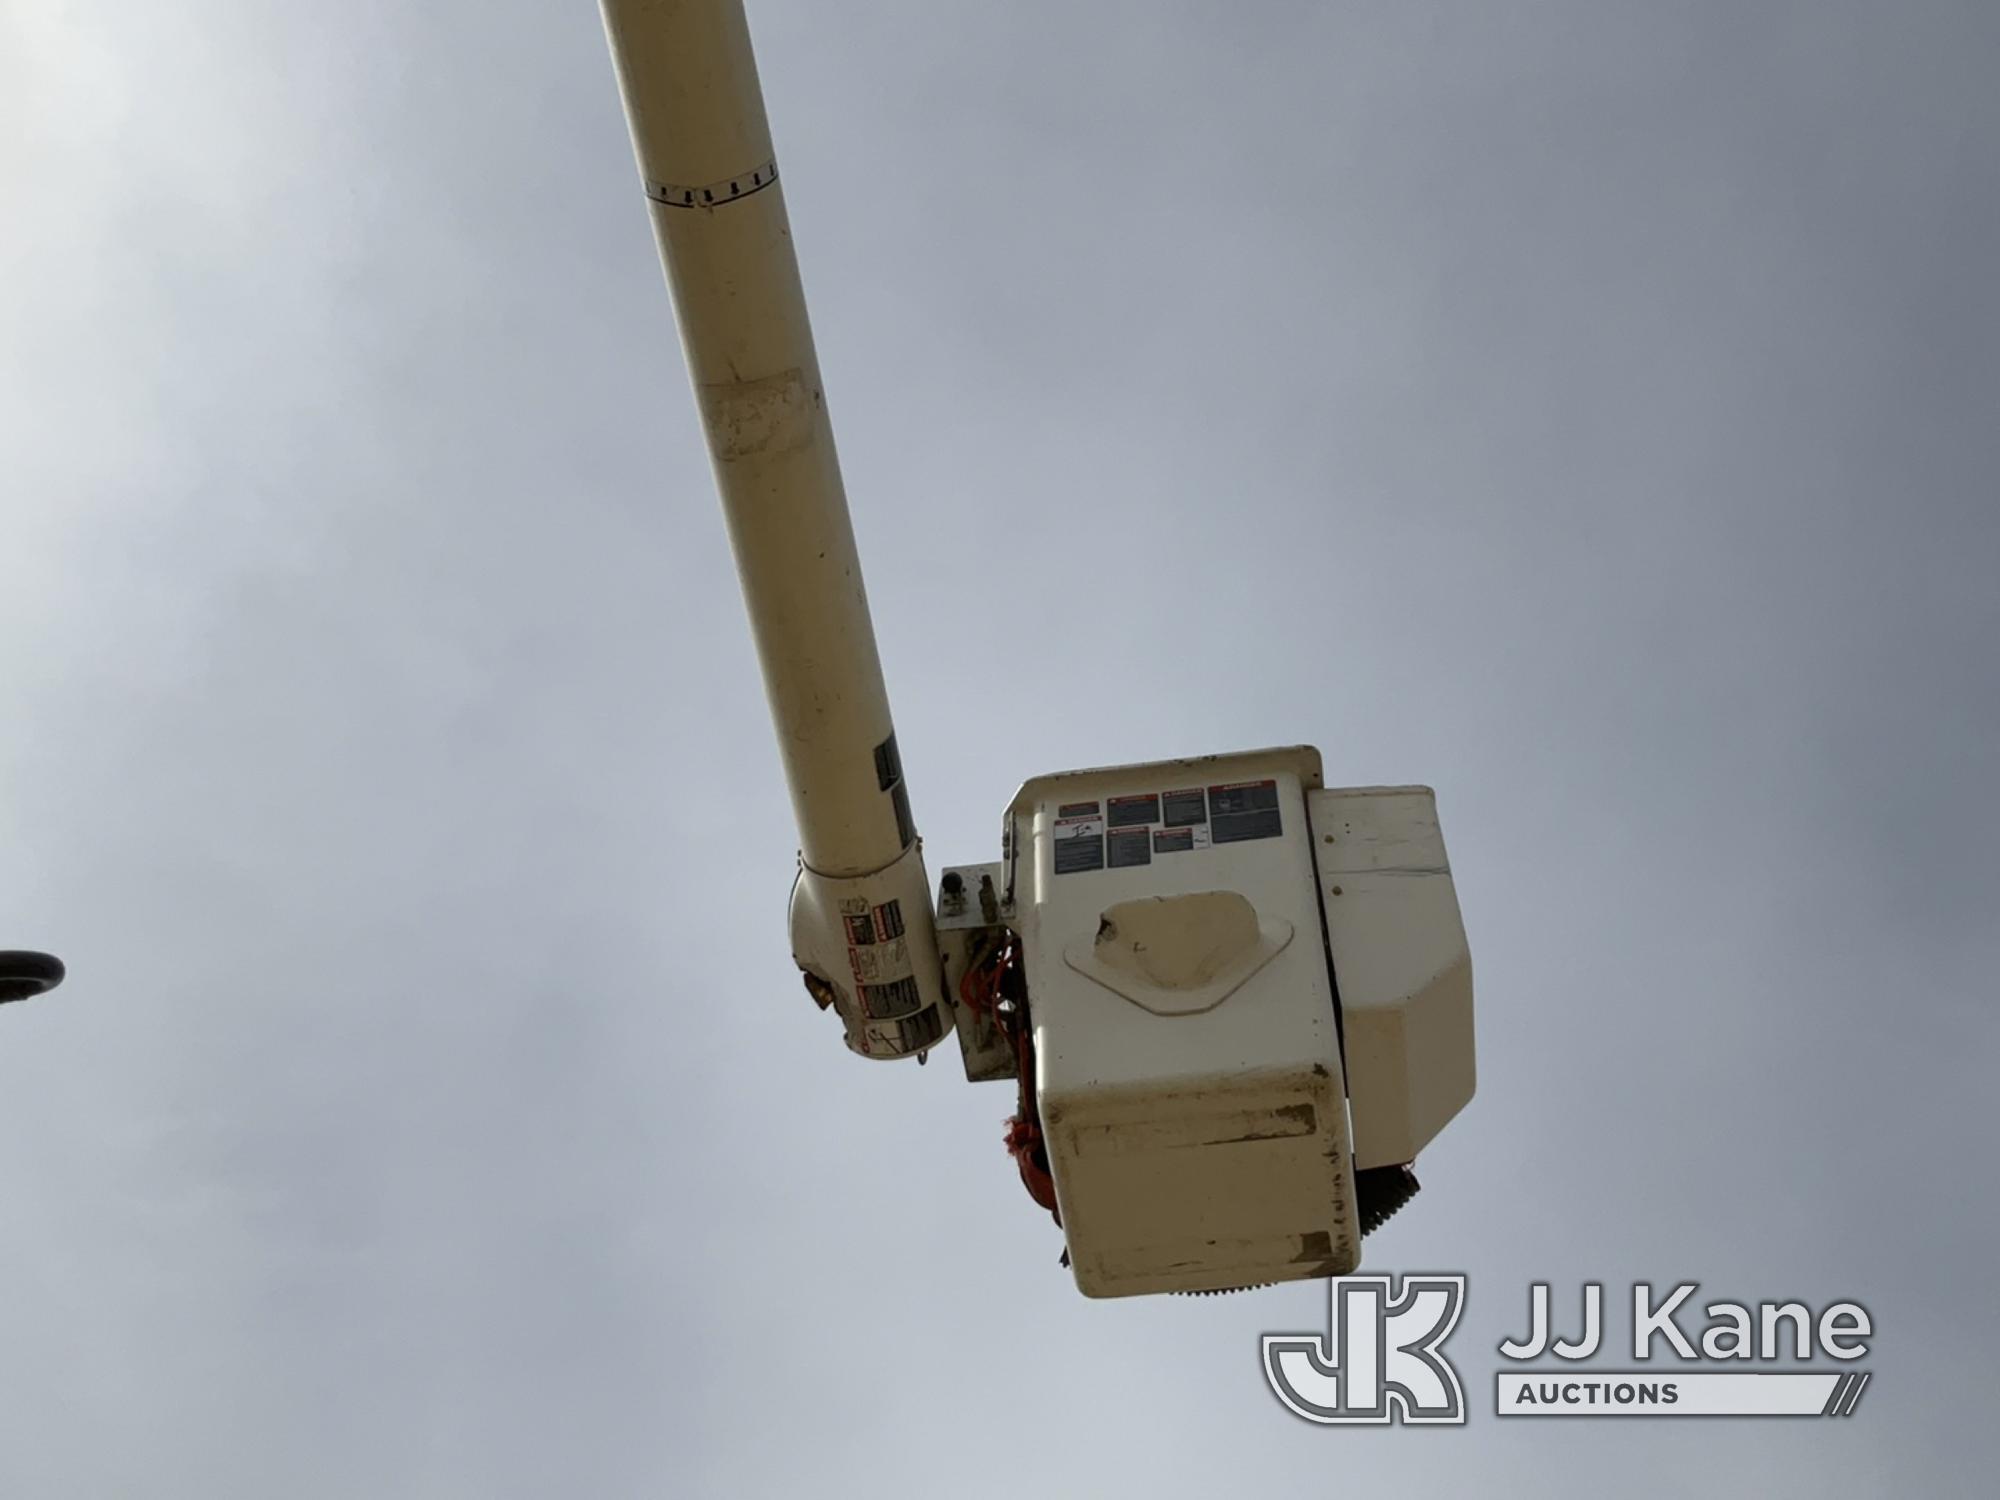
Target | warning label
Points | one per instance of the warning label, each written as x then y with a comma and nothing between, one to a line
1130,846
1130,812
921,1029
888,764
885,1002
1079,838
879,962
1244,810
1121,832
1242,797
1080,850
889,777
878,955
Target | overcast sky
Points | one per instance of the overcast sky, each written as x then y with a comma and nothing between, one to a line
1586,409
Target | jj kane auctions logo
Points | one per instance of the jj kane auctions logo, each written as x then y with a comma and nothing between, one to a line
1382,1357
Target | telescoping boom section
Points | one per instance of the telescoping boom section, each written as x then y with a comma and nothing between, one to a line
861,921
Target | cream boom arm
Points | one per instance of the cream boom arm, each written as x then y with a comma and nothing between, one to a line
689,82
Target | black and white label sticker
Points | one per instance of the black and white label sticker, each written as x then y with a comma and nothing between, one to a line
889,777
1079,839
1133,812
1244,810
885,1002
1130,846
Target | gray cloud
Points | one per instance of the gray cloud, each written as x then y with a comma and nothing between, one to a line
1583,409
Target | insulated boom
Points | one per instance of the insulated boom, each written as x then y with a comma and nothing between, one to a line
689,81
